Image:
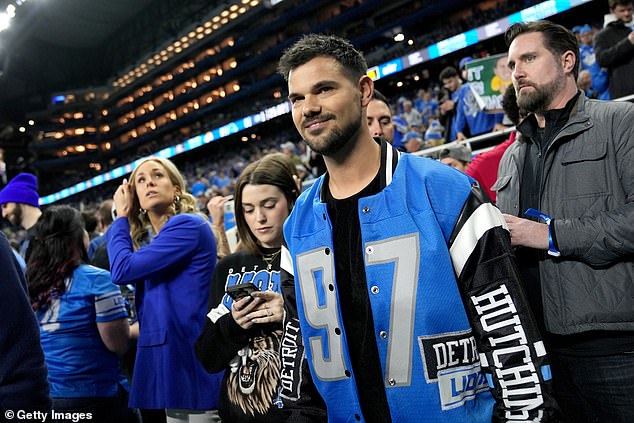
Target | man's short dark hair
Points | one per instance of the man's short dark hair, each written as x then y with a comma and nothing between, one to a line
105,212
319,45
376,95
90,220
557,39
448,72
613,3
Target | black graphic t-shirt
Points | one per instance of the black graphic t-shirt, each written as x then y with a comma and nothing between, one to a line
250,358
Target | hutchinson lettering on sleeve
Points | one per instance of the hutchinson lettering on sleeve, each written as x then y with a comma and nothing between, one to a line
512,354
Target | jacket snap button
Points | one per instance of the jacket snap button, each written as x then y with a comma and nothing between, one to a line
366,210
374,289
383,334
369,250
391,381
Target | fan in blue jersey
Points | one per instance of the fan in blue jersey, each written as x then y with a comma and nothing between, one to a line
172,272
82,318
402,296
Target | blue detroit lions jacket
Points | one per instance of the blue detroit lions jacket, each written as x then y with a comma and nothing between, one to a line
455,337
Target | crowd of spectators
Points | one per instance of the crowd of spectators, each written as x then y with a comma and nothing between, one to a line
421,120
375,54
422,117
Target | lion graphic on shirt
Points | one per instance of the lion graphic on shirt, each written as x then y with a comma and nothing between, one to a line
255,374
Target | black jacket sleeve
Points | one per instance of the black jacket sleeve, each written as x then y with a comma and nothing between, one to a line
512,354
302,402
23,373
222,337
612,49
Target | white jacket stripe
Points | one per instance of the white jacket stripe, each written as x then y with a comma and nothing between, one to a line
485,217
286,262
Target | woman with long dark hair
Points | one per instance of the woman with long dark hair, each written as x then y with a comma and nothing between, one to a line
82,318
161,244
243,335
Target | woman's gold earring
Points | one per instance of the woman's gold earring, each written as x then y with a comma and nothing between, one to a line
143,211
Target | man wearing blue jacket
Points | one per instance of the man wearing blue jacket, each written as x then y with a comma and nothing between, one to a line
402,297
469,119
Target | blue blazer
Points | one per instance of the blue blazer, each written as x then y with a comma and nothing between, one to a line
172,274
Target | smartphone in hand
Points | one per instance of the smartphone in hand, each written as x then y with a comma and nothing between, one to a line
241,290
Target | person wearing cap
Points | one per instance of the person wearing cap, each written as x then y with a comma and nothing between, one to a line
20,204
575,30
614,48
412,142
457,156
434,134
598,75
462,65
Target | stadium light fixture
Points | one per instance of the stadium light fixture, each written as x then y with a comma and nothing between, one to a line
5,21
399,37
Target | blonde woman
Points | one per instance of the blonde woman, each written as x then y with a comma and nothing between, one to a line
159,243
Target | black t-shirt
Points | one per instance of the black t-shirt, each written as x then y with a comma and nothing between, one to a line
354,299
249,390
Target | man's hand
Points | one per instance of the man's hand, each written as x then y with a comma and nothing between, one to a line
527,233
446,106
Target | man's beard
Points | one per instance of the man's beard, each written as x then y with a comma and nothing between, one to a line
335,140
17,215
538,100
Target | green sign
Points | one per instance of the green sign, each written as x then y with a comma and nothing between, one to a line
488,79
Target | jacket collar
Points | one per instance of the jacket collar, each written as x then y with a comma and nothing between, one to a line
389,160
577,115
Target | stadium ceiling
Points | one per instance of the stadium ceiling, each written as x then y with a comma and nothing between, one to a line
77,24
56,45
